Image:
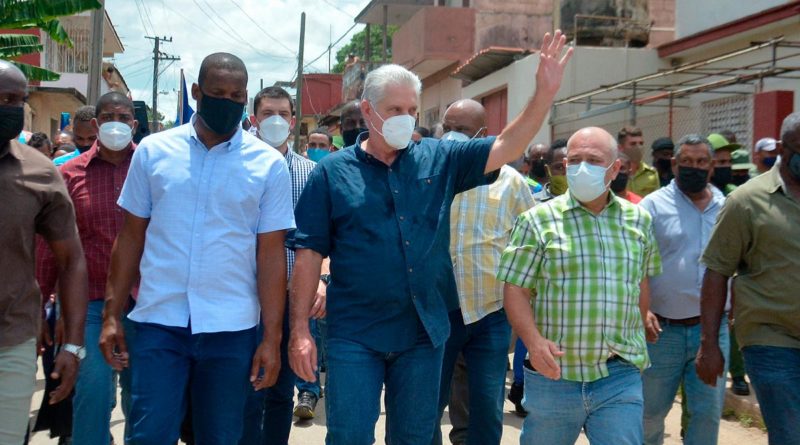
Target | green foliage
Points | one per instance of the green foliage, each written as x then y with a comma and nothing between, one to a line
42,14
358,46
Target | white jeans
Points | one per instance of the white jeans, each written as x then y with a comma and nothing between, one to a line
17,382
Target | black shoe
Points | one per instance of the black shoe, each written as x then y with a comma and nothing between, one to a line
515,397
740,387
306,403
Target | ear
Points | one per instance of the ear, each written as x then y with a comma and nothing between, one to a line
292,123
135,126
95,125
196,93
253,120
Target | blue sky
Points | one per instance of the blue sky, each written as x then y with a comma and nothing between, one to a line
263,33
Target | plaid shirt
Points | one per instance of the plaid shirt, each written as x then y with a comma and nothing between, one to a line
94,186
299,169
586,271
482,220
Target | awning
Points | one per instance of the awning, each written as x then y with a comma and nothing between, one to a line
487,61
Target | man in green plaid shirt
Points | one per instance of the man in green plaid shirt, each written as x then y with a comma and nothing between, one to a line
584,257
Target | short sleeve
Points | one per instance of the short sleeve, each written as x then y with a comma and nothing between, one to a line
730,239
313,214
275,207
522,258
468,162
136,196
523,198
652,255
56,219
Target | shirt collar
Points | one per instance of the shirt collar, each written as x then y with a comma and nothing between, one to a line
235,142
716,195
368,158
573,203
775,180
94,152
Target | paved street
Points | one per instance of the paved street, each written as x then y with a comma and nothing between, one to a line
305,433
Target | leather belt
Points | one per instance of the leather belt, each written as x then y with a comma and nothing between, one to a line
693,321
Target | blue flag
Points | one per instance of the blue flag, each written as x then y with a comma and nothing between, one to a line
185,112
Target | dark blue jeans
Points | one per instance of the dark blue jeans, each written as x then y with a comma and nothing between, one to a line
485,348
356,375
775,375
171,362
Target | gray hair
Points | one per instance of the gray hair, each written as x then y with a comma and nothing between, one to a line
611,142
378,80
692,139
790,125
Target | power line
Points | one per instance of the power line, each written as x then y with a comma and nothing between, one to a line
330,47
141,18
262,29
147,14
338,8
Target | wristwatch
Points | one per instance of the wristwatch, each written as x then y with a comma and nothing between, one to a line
77,351
325,278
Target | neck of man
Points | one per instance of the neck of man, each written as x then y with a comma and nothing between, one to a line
114,157
700,199
380,150
598,204
283,148
635,166
792,183
207,135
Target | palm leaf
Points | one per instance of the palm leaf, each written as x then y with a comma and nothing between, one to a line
36,73
20,13
9,52
18,40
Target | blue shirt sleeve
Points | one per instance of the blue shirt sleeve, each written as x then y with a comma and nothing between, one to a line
136,196
313,215
468,161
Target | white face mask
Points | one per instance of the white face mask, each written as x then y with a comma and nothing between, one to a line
115,136
455,137
274,130
586,181
397,130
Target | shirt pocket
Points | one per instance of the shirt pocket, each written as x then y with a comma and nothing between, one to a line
558,259
630,255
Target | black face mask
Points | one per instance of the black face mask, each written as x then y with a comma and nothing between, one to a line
692,180
350,136
722,177
738,180
539,168
83,148
12,119
221,115
619,183
664,165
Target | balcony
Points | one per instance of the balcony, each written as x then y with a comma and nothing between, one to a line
434,38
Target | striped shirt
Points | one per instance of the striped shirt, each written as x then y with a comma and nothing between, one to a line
482,222
299,169
585,270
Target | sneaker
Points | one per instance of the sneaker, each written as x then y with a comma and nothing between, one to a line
306,403
740,387
515,397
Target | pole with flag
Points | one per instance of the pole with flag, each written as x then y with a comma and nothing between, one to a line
185,112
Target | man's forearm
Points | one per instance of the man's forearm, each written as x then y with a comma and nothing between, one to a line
124,268
271,277
712,305
305,280
512,141
517,303
73,288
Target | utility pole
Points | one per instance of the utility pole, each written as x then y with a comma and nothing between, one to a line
157,57
95,54
299,100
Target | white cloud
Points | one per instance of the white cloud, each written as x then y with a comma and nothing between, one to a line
202,27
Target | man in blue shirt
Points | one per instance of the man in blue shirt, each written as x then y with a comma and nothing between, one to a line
683,213
380,209
207,206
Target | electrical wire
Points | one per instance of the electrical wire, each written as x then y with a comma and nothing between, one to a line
330,47
263,30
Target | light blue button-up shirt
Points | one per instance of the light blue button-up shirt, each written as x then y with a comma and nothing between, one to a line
682,232
206,207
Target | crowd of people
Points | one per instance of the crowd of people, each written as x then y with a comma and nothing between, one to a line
213,271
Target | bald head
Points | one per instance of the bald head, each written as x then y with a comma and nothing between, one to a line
465,116
221,61
12,81
595,138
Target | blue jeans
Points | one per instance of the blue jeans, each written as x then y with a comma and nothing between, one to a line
775,375
172,362
672,359
485,348
609,409
356,375
520,352
96,386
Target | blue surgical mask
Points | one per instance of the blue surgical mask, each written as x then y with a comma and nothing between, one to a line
316,154
586,181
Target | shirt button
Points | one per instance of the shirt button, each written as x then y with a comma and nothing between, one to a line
408,243
428,181
413,297
402,218
410,269
397,191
